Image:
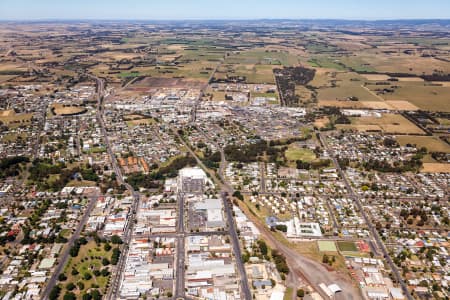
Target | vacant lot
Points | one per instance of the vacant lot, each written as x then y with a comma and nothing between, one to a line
147,121
322,122
387,123
436,168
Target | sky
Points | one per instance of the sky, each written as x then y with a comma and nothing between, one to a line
223,9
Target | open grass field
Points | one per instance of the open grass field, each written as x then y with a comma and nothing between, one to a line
11,119
13,137
426,97
81,183
443,121
369,61
147,121
322,77
258,74
387,123
347,246
294,153
288,294
326,62
89,259
344,92
376,77
433,144
376,105
326,246
4,78
162,82
68,110
263,56
322,122
347,85
409,79
341,104
435,168
11,67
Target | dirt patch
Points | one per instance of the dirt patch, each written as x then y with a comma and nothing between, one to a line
402,105
436,168
376,77
376,105
410,79
10,118
443,83
68,110
322,122
7,113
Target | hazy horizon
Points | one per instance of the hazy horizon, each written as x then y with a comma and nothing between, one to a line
202,10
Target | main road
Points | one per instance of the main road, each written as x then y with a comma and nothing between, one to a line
127,235
180,271
231,226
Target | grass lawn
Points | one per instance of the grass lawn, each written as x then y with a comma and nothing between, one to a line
89,259
66,233
13,137
13,120
81,183
147,121
327,246
347,246
61,110
294,153
288,294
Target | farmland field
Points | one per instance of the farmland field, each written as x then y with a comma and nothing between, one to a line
433,144
387,123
